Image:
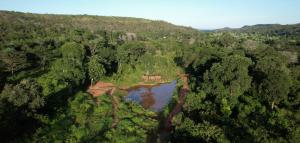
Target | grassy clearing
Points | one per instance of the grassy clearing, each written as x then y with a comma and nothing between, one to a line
162,65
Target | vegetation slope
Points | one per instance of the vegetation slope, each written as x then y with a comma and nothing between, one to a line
244,84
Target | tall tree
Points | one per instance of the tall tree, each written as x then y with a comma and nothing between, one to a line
13,60
86,121
96,69
273,80
227,80
70,67
27,94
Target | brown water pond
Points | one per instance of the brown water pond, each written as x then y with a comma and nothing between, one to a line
152,97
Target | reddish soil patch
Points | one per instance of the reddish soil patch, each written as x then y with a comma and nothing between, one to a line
151,78
106,88
100,88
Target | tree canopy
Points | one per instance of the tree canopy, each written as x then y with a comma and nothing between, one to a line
232,85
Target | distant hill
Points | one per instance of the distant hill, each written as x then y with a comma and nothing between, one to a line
108,23
271,29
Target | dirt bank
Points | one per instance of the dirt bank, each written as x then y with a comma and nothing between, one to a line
115,103
182,93
100,88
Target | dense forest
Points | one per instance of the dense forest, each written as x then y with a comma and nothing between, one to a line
243,85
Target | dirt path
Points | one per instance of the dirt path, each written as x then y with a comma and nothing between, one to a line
115,103
182,93
100,88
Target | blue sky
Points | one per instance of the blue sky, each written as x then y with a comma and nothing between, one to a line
202,14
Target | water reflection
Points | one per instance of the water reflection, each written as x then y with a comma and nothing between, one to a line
153,97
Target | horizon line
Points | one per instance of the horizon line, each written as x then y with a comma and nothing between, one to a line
188,26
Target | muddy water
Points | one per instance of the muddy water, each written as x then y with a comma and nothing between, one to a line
152,97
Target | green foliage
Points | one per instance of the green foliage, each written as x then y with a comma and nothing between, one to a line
225,40
66,71
13,60
96,69
19,107
73,52
51,84
25,94
230,77
273,78
204,132
245,83
86,121
70,67
238,97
